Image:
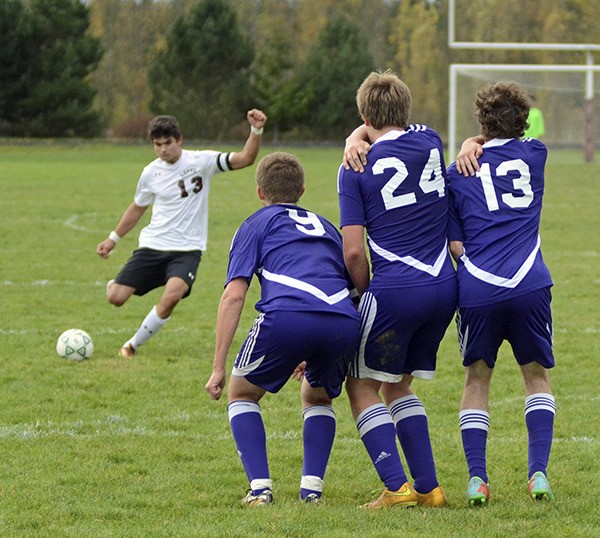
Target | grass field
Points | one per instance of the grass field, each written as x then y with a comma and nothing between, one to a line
133,448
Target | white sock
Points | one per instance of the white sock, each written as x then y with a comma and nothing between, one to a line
149,327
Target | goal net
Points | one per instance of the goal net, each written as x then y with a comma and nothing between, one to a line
564,93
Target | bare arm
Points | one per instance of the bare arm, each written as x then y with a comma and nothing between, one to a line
356,149
228,318
130,218
456,249
470,151
246,157
355,257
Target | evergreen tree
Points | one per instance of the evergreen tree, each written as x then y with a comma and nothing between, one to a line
59,99
336,66
202,75
13,59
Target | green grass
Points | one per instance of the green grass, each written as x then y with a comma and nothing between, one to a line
109,447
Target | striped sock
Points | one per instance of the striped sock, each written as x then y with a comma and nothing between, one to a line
377,432
540,410
412,429
250,438
318,435
474,428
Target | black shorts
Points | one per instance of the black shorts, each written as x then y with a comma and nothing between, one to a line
149,269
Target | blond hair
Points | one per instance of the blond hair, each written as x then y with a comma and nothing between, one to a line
384,100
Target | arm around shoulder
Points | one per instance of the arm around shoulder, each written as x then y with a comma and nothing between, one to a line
356,149
470,150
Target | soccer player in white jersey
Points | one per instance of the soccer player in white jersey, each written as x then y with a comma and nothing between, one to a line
305,317
400,202
176,185
504,284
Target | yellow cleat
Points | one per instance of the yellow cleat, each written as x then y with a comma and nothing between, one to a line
405,496
435,498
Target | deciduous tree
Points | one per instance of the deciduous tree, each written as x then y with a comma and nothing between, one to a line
202,75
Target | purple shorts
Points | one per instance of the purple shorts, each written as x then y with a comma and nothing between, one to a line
279,341
524,321
402,329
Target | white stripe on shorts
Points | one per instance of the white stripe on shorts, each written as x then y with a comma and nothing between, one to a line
245,353
358,368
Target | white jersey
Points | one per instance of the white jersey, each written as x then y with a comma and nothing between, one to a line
178,194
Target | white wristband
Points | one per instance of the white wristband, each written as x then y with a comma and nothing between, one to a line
256,130
113,236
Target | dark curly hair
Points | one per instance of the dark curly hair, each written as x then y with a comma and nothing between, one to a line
163,127
502,110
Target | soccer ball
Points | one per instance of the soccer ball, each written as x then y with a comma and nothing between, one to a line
75,345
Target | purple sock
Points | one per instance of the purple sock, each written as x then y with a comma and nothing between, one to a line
474,427
539,417
377,431
249,433
413,433
318,435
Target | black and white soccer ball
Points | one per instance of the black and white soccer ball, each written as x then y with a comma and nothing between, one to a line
75,345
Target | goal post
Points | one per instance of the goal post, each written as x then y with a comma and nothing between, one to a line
564,93
567,91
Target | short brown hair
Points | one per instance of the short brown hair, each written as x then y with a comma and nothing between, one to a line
384,100
280,177
164,127
502,110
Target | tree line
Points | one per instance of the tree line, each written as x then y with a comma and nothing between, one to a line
97,67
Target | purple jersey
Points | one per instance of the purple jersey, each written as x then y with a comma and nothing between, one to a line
401,200
297,257
497,217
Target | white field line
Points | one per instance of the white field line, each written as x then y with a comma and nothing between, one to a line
42,283
183,329
74,222
122,428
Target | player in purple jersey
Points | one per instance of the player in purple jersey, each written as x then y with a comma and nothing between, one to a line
504,284
176,184
305,317
400,202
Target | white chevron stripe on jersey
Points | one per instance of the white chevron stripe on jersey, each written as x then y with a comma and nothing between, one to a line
498,280
304,286
433,270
